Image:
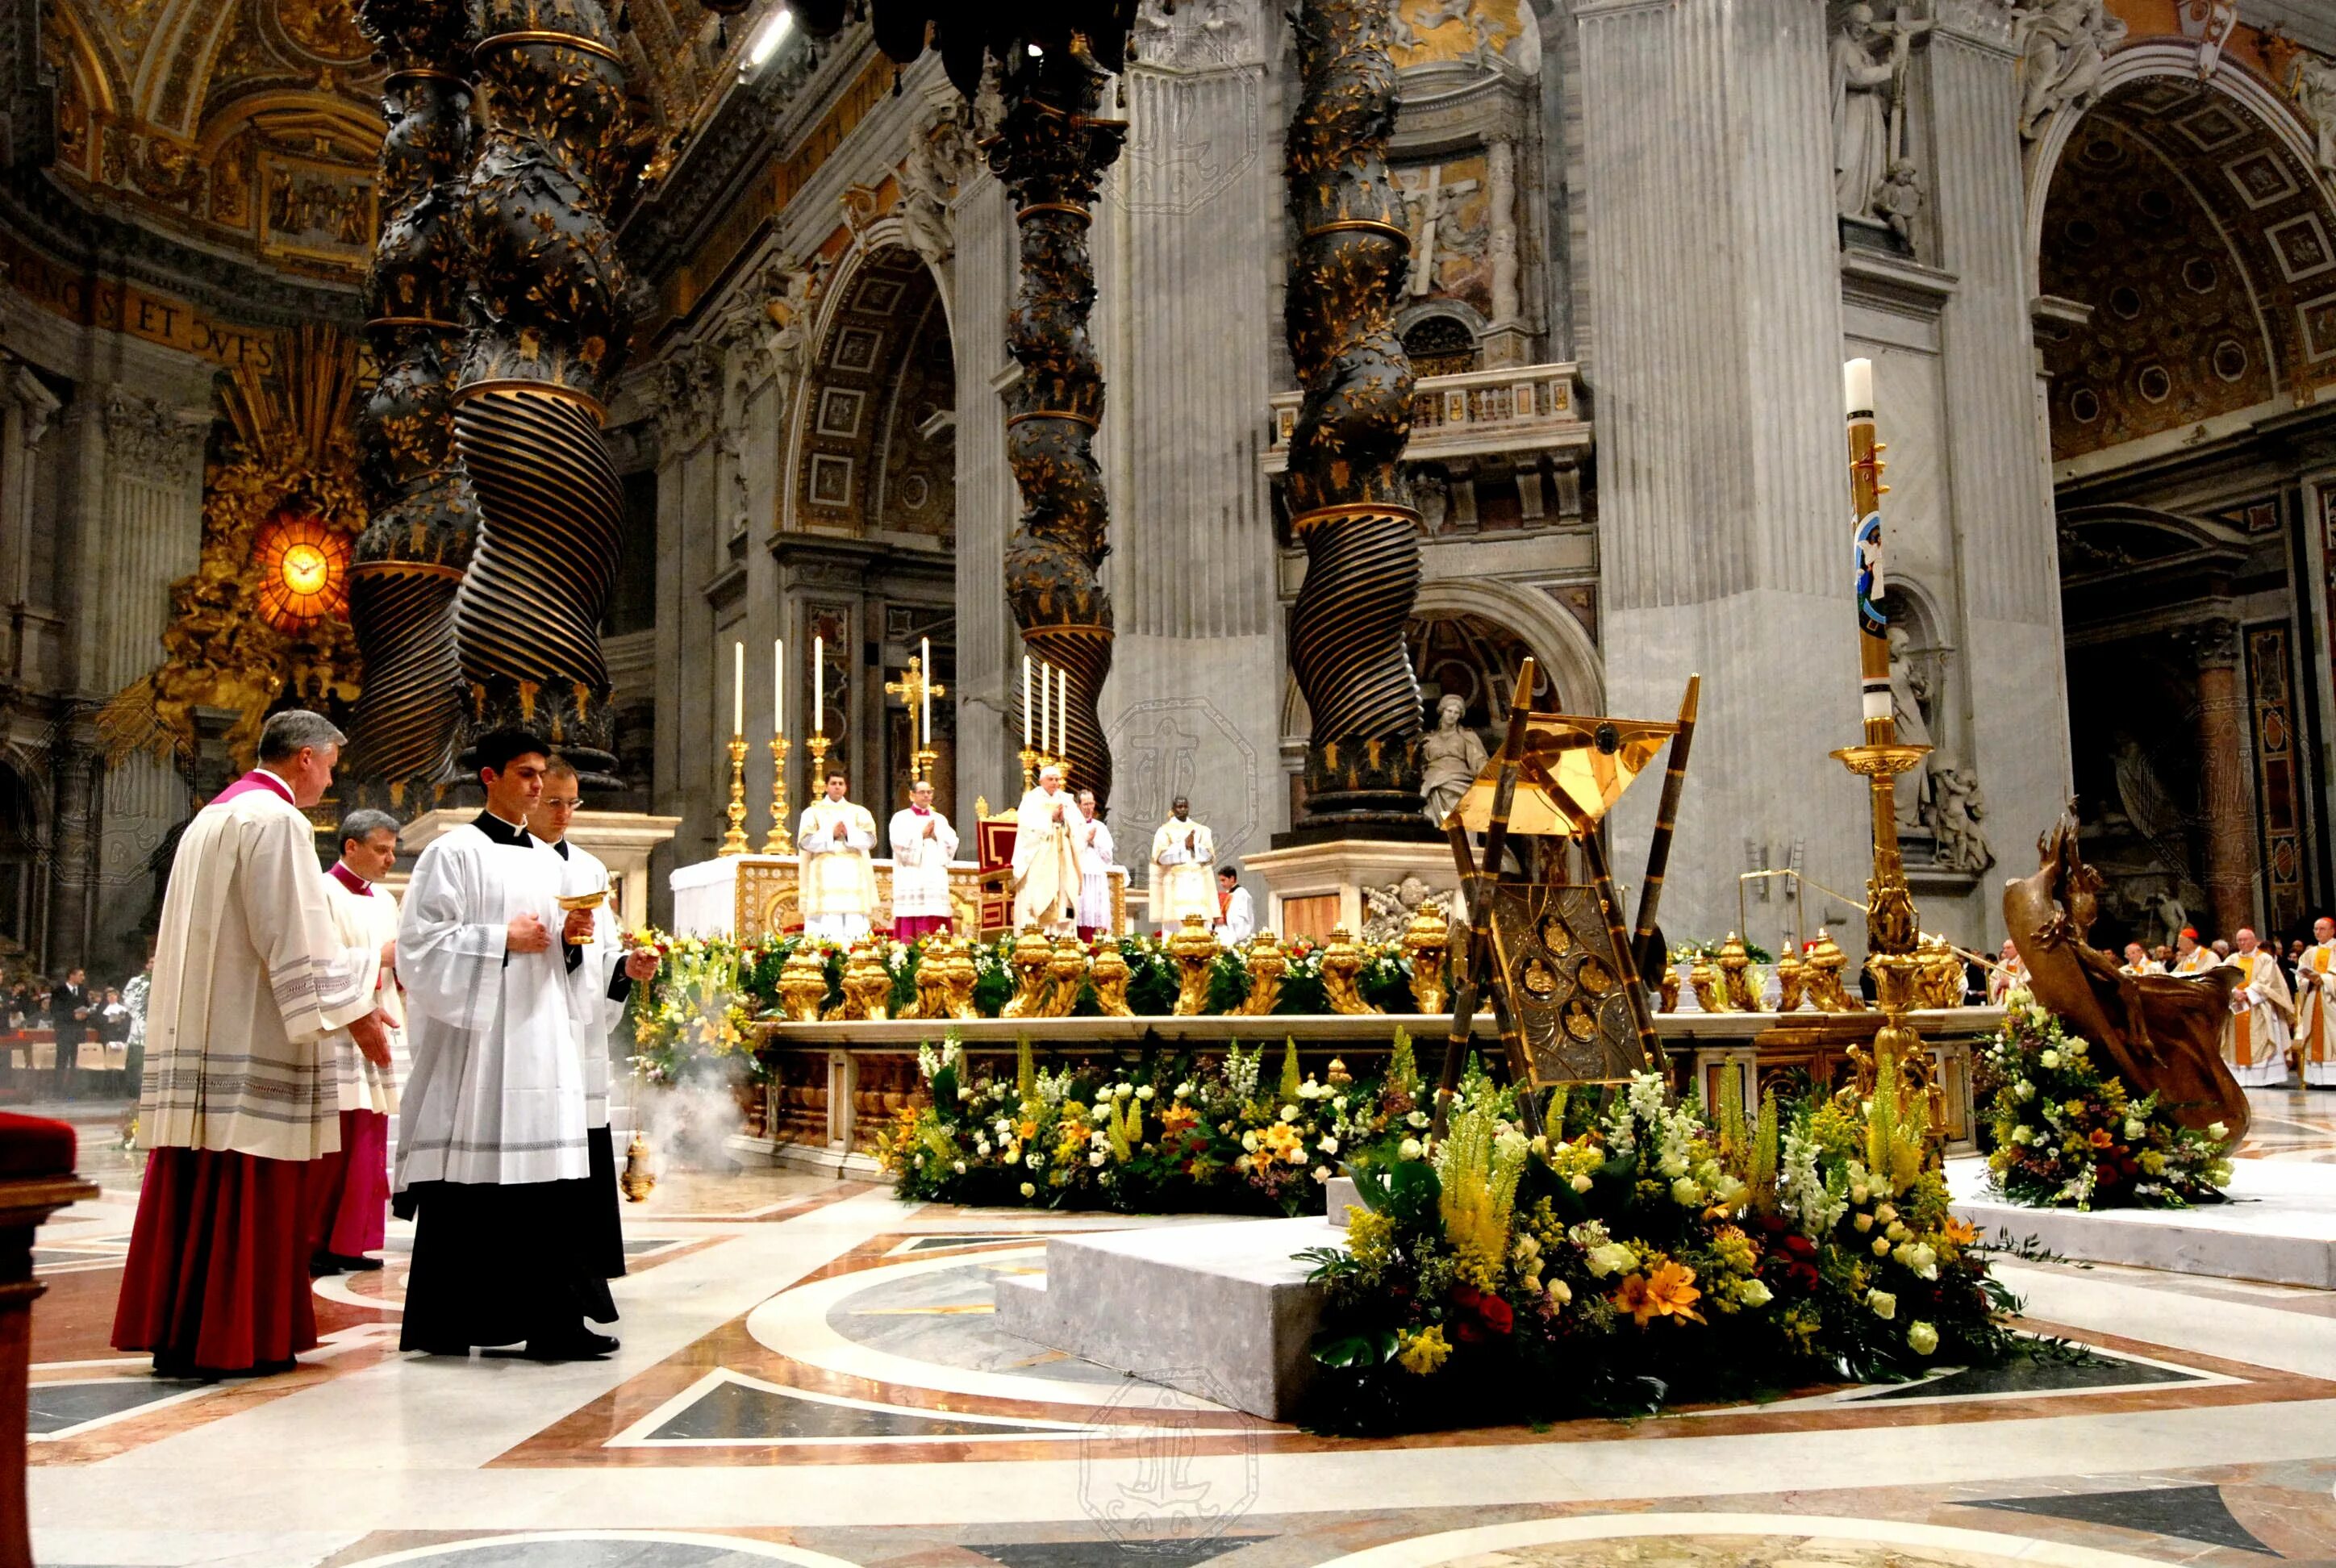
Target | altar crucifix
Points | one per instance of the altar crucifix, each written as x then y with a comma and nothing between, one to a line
917,690
1430,203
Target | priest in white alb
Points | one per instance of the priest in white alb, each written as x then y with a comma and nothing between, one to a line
597,986
1048,866
1095,852
250,975
350,1198
492,1164
1183,854
924,844
2315,1009
2262,1014
836,840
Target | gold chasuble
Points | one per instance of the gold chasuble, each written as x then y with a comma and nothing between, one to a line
838,877
2315,1014
2254,1040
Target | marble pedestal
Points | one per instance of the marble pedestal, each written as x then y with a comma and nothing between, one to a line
622,841
1313,888
2280,1225
1220,1311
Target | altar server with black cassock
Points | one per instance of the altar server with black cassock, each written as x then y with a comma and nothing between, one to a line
597,988
492,1161
250,975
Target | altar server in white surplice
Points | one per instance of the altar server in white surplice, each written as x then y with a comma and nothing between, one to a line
2315,1006
491,1159
1048,866
1183,854
2255,1039
1094,872
597,988
924,844
250,975
835,839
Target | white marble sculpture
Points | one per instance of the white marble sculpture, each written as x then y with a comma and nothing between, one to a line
1868,60
2063,44
2315,95
1450,757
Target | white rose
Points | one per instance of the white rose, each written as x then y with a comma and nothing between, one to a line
1419,1119
1145,1093
1863,1222
1183,1091
1028,1190
1013,1156
2076,1047
1289,1113
1329,1145
958,1166
1883,1304
1099,1138
981,1145
1408,1149
964,1093
1096,1157
1686,1193
2049,1059
1560,1293
1248,1142
1753,1293
2024,1089
2217,1130
1121,1091
1581,1182
1321,1173
2135,1132
1340,1104
1611,1258
1922,1337
2023,1133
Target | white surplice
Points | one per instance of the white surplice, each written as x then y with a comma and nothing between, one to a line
1239,922
1183,880
497,1092
920,864
367,919
1095,879
594,1011
1048,865
250,975
839,879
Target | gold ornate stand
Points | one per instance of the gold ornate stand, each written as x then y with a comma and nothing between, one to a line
1029,760
778,841
733,842
818,746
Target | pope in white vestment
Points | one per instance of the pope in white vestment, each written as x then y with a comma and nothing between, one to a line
2315,1012
1184,857
835,841
1048,866
1095,852
923,845
2256,1035
251,974
493,1160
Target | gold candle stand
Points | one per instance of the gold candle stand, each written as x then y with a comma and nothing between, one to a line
920,765
818,746
1030,761
778,841
733,842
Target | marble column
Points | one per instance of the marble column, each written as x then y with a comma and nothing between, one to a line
27,409
989,653
1712,262
2226,797
2002,533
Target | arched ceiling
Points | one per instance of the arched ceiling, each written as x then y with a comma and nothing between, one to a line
2206,251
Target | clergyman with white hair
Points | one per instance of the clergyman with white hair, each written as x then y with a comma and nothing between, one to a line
1048,828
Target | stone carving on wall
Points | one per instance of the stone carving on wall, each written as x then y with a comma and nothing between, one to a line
1868,60
2210,22
1388,912
1913,695
1954,814
150,440
687,394
1202,33
940,155
2063,49
2315,97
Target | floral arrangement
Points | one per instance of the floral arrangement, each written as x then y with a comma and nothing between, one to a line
2068,1134
1644,1251
1169,1132
700,1009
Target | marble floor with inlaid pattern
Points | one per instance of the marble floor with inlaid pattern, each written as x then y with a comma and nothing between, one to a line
812,1374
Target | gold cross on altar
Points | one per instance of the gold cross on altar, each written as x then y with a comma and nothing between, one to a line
914,688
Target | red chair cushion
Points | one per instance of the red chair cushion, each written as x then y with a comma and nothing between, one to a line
34,1146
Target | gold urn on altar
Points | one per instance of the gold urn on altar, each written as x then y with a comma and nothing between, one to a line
1825,965
1266,963
867,987
932,981
1066,974
803,985
1792,977
1110,975
1027,960
1342,968
1940,981
1427,939
1736,972
1704,980
1193,951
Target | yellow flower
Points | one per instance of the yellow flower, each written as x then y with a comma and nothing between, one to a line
1669,1293
1422,1351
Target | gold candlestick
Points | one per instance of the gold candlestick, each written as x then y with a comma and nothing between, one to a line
921,764
818,744
733,842
1031,761
778,842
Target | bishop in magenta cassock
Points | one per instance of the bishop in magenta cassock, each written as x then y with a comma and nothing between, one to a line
350,1197
492,1160
239,1099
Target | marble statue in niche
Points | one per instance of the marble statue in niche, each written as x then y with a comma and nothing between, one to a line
1868,60
1450,757
1953,816
2315,95
1914,697
2062,48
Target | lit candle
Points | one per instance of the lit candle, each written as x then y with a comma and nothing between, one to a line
927,645
819,684
1026,702
738,688
1063,713
1857,389
778,687
1046,689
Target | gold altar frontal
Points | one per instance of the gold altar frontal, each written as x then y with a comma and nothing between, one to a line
833,1086
758,896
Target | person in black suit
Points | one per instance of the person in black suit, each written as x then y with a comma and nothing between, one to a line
72,1007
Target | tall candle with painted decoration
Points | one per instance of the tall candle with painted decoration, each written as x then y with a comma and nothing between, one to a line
1866,502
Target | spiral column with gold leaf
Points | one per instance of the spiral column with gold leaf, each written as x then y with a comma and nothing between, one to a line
1050,150
409,561
1349,504
545,332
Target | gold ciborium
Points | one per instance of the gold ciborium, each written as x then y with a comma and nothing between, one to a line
571,903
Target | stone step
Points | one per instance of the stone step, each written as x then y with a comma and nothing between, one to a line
1220,1311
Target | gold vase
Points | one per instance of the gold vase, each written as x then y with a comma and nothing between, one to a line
1826,961
1735,971
867,988
1792,976
1029,960
1266,963
1110,973
1342,967
1192,950
1427,939
1705,981
803,985
932,981
1067,972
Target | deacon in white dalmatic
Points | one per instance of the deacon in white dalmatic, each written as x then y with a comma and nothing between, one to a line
2254,1038
1048,865
598,986
2315,1013
924,844
1182,851
1095,852
492,1162
835,839
349,1206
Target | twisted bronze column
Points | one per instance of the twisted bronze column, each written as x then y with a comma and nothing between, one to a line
1050,152
545,333
409,562
1349,504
